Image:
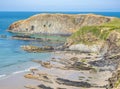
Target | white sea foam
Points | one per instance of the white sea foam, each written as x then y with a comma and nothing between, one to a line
28,69
3,75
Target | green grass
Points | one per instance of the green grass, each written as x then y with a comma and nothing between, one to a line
114,24
93,34
117,83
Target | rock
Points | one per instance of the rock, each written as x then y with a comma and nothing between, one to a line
24,37
31,76
56,23
75,59
37,61
73,83
41,86
85,48
44,64
61,88
31,87
80,66
99,63
41,76
48,48
33,70
3,36
30,48
112,45
114,81
44,87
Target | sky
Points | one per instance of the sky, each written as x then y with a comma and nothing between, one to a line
60,5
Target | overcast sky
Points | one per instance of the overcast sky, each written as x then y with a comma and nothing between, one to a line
60,5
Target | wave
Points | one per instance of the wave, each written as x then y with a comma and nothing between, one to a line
26,70
3,75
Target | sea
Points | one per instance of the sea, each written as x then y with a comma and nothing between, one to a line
13,59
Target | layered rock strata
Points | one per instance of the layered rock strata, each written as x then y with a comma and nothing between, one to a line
56,23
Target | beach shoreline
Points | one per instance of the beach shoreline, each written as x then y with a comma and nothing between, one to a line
19,81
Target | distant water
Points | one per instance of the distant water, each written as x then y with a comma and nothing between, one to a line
13,60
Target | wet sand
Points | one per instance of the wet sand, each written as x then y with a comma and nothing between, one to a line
16,81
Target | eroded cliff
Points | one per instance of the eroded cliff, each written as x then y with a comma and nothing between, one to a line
57,23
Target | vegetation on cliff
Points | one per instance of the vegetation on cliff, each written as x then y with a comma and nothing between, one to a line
94,34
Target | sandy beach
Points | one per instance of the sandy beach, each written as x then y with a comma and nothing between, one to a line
98,79
16,81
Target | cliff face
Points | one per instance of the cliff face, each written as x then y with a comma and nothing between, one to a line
56,23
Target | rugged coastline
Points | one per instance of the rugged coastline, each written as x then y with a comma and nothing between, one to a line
88,58
56,23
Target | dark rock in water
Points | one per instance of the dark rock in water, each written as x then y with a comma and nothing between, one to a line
44,87
73,83
3,36
25,37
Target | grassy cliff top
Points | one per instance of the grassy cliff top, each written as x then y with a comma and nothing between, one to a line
95,34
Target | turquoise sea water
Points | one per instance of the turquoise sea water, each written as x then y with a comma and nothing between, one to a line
14,60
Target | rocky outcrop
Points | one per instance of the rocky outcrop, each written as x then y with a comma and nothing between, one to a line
112,45
25,37
56,23
85,48
112,53
114,81
30,48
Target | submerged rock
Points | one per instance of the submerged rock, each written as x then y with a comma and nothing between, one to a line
3,36
26,37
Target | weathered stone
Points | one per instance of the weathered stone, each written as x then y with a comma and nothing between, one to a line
30,48
44,87
48,23
46,64
73,83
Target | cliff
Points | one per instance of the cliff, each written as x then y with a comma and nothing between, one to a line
56,23
96,38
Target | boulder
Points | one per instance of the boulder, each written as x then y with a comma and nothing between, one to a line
30,48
